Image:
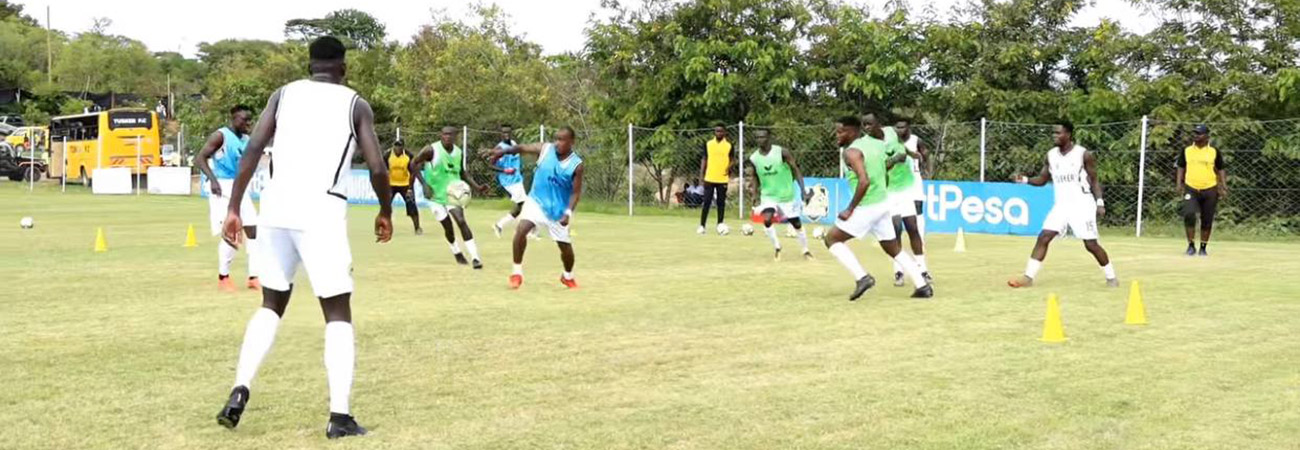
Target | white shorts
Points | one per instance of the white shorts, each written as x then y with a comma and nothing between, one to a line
874,219
532,212
789,210
1081,221
517,194
918,190
440,211
322,250
218,204
902,204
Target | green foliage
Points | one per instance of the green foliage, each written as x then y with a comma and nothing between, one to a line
356,29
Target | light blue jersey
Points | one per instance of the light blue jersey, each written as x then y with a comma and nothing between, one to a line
553,182
509,162
225,163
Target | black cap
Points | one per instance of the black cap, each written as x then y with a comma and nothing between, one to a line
398,143
1201,129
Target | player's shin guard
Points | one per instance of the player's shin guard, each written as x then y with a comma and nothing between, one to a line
1109,271
1032,267
225,256
847,259
340,359
250,246
910,268
802,236
472,248
258,338
771,234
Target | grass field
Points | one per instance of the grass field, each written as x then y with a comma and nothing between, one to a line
675,341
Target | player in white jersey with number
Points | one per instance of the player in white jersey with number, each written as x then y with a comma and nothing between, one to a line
219,162
316,125
1072,170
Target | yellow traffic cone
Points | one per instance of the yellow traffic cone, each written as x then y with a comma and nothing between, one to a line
1137,312
190,241
101,244
1053,330
961,241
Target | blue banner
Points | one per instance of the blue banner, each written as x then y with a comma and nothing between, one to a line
356,187
992,208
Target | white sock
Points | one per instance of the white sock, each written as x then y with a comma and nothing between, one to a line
505,220
910,267
340,359
225,256
803,239
771,234
250,246
920,225
1109,270
848,260
258,338
1031,269
920,261
898,268
472,248
455,248
517,270
568,275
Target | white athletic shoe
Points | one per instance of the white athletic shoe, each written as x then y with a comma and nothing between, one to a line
700,231
497,229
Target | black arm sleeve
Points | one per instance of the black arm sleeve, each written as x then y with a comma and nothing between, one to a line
1182,159
1218,161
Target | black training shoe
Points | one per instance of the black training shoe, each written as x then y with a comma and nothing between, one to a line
342,425
478,265
229,415
777,256
898,279
864,284
1191,250
926,291
460,259
1203,252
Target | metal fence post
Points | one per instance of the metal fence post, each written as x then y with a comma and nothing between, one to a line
137,164
983,144
31,168
541,134
65,164
464,144
740,158
630,168
1142,174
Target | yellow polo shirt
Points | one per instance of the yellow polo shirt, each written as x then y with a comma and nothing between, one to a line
1200,164
399,175
719,160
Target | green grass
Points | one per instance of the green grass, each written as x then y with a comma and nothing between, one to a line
675,341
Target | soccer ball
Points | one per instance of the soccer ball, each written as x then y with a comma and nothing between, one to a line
458,193
819,233
27,223
723,229
790,232
747,230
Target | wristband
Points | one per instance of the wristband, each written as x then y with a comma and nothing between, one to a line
1101,202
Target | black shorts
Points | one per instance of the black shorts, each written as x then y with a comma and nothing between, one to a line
408,195
1204,202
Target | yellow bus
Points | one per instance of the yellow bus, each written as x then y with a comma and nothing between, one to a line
130,138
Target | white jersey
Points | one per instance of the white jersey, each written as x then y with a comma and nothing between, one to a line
1069,179
314,142
918,190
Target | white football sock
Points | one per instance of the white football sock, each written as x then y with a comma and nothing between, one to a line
920,261
920,224
848,260
898,268
802,236
455,248
1031,269
771,234
225,256
472,248
505,220
1109,270
910,267
518,269
568,275
250,247
258,338
340,359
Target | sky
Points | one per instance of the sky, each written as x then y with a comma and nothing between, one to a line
180,26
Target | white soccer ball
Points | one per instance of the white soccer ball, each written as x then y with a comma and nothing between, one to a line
27,223
458,193
819,233
723,229
747,230
790,232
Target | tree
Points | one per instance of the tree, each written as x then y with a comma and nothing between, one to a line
100,63
355,28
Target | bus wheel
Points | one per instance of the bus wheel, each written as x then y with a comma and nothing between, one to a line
32,176
85,181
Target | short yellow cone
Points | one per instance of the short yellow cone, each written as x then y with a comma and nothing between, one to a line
1053,330
190,241
1137,312
101,244
961,241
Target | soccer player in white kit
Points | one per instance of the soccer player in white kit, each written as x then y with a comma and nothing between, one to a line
1072,170
316,124
219,161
